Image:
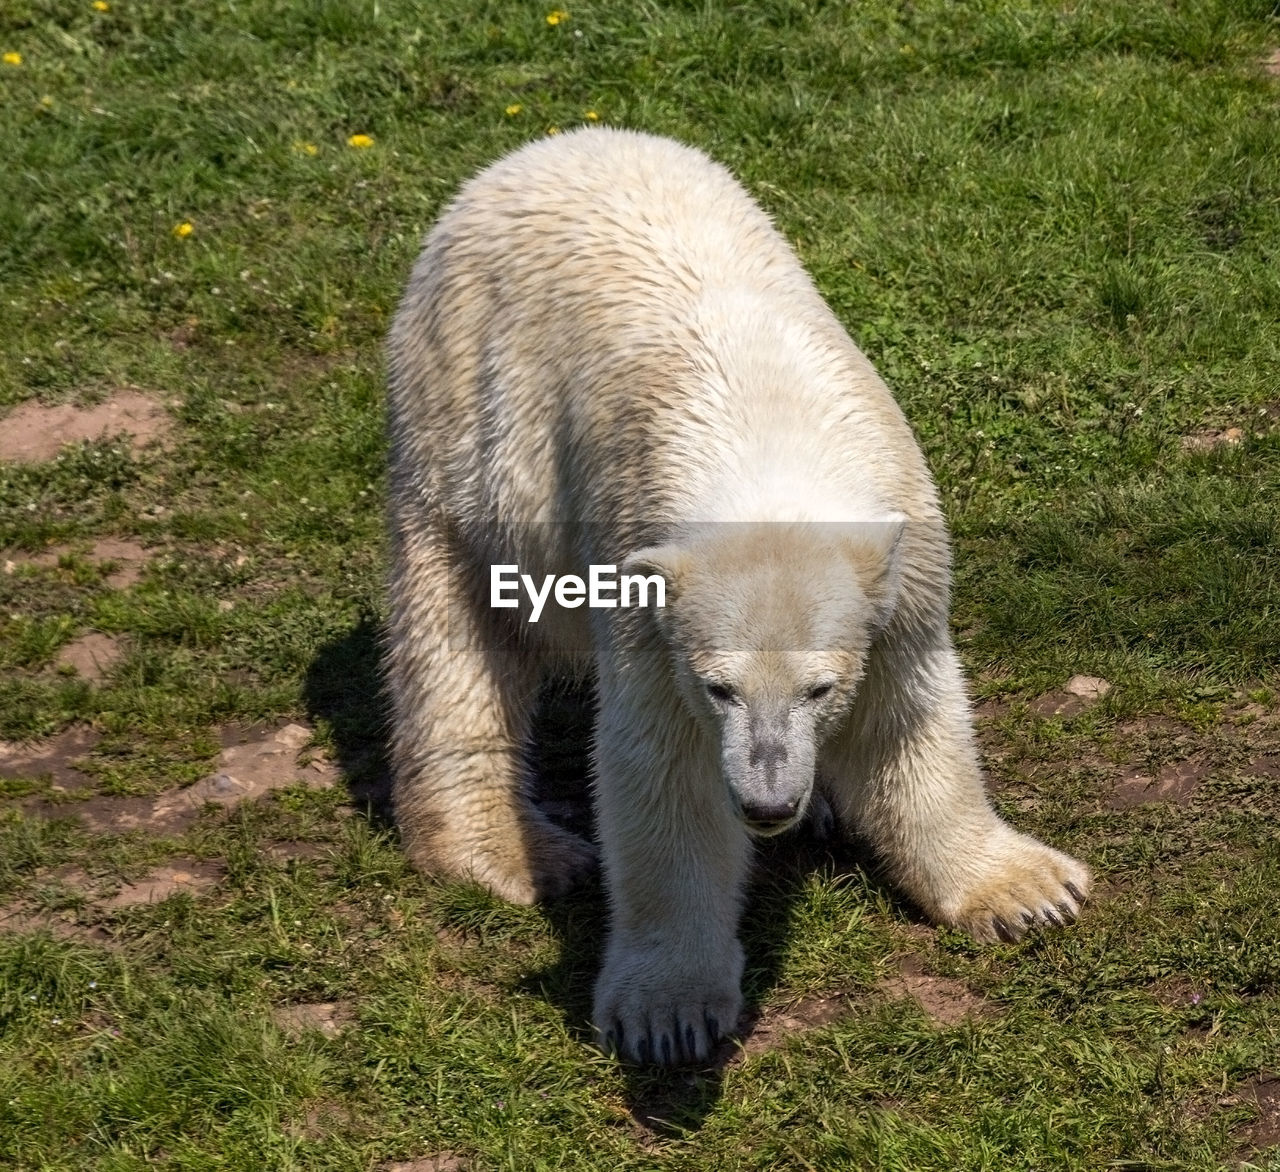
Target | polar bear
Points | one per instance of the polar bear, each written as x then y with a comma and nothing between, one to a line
607,356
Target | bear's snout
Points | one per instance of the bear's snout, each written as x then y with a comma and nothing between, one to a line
768,758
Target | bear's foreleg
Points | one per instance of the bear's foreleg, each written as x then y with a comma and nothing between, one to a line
905,775
462,700
675,860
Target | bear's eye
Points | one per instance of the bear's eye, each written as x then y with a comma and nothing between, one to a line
820,691
720,692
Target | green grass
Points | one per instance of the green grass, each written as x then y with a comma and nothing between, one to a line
1055,228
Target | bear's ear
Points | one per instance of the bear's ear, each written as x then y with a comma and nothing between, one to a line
668,561
873,549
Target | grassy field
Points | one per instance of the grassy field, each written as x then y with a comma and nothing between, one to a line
1055,227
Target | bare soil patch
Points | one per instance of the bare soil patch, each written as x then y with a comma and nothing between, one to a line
128,558
440,1162
125,557
1175,782
55,758
1263,1093
62,925
250,765
1268,766
193,876
1156,727
328,1017
91,656
103,894
253,764
33,432
947,1002
102,815
774,1026
991,710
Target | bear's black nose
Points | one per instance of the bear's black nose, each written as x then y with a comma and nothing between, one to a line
765,816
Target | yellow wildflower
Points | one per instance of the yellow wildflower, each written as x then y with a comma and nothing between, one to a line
306,148
591,116
13,58
556,16
514,109
47,101
360,141
101,6
183,230
553,130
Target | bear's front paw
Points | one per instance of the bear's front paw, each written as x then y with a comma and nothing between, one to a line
653,1007
1023,883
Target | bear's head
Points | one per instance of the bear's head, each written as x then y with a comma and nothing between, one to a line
768,626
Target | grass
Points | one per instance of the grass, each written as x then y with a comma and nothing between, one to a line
1054,228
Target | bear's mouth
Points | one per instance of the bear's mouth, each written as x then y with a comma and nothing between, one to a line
764,820
767,829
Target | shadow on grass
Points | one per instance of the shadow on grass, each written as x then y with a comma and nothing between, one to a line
676,1102
344,688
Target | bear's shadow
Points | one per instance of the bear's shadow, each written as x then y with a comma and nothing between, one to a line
344,687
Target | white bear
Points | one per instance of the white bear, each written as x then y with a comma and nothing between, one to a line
608,356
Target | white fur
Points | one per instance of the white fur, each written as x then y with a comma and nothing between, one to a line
606,352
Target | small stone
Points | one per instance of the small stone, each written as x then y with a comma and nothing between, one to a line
223,783
1087,687
293,735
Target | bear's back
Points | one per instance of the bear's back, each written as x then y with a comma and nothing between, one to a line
603,206
605,326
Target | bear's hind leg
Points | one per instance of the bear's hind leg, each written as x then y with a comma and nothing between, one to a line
461,707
